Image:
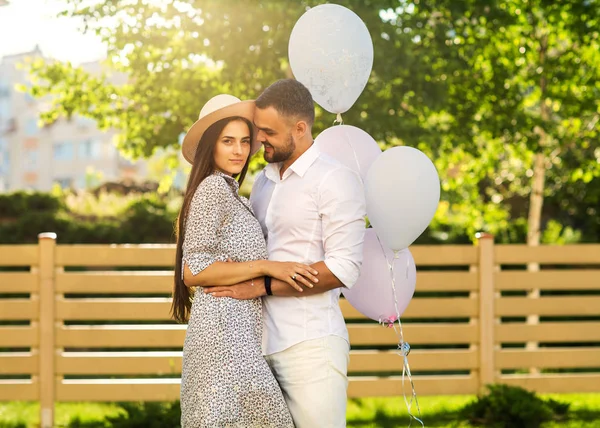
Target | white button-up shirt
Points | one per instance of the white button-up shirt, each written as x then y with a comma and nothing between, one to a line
315,212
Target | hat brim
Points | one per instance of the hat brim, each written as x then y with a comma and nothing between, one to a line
191,140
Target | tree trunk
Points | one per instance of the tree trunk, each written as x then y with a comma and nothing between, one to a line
536,201
536,198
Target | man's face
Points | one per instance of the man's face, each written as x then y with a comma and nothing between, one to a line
275,134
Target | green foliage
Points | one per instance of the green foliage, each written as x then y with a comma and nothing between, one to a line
577,206
150,218
384,412
514,79
137,415
103,204
556,233
105,217
146,218
21,202
12,425
507,406
479,86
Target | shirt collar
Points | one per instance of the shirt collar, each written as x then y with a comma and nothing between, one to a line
227,178
300,166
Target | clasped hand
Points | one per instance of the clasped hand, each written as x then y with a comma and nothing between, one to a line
292,273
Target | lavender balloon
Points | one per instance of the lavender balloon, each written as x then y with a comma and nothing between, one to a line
351,146
373,294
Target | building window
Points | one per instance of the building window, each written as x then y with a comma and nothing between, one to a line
63,151
30,179
90,149
4,90
4,162
31,127
4,110
4,157
30,143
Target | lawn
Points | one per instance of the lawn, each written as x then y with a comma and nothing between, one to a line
440,411
437,411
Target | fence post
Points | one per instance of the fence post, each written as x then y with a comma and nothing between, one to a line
47,382
486,309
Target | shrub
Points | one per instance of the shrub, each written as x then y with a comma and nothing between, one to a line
134,219
17,203
12,425
512,407
151,221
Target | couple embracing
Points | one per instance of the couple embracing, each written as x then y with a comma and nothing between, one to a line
258,281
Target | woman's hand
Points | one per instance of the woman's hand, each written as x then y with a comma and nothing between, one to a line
292,273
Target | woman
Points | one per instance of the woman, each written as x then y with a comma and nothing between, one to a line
225,380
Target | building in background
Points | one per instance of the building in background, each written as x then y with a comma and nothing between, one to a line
73,153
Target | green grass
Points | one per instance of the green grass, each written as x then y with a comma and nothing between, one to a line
436,411
584,411
441,411
27,413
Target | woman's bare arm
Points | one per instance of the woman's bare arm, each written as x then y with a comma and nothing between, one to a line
230,273
224,273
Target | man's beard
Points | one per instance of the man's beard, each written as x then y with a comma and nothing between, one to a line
282,154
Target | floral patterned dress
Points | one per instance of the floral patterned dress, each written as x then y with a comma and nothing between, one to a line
225,380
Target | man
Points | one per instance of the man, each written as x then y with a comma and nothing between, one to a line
312,211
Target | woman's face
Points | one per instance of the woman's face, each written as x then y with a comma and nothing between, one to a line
233,148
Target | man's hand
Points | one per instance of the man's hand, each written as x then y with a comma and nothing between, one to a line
242,291
245,290
327,281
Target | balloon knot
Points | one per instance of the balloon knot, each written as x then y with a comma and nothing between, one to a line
388,322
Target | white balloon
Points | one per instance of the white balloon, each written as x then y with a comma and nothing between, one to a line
351,146
402,193
331,53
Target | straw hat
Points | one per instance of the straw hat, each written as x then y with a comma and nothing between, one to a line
217,108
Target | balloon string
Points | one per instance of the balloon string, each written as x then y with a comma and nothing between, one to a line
341,122
403,347
355,154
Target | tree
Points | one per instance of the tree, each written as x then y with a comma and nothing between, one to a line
526,74
176,55
501,95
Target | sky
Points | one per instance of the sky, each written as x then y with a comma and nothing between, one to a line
25,23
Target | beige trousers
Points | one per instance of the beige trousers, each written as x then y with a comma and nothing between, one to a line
314,380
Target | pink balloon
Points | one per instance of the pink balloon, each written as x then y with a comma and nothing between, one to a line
351,146
373,295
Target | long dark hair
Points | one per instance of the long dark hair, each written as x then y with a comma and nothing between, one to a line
203,166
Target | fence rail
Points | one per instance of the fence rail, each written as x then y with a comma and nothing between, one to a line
91,322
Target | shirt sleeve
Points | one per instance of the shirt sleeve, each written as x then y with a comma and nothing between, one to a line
343,209
206,214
